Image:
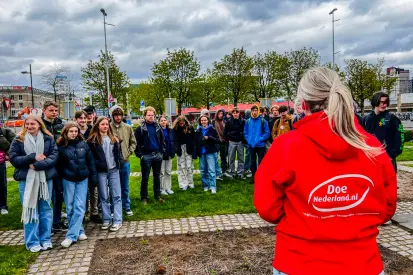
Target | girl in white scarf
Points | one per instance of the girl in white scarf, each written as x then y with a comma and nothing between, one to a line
34,155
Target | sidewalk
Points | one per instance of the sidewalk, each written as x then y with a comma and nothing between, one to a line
77,258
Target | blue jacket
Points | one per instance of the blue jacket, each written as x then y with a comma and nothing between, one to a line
21,161
76,162
256,132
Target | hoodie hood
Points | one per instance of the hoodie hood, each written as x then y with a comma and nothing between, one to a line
247,114
326,142
113,109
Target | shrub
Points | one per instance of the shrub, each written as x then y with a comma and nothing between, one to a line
408,135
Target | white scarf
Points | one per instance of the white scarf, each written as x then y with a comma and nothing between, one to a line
35,181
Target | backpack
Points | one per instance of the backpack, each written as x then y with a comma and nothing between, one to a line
262,124
277,123
4,139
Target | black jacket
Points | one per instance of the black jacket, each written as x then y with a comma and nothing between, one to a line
100,159
211,144
234,130
87,133
54,128
271,125
388,129
172,144
76,162
143,142
183,138
21,161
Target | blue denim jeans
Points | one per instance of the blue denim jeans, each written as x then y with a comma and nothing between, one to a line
124,185
39,233
112,180
75,194
207,164
247,162
276,272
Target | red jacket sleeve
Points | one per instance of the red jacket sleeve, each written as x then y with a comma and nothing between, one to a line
272,177
390,187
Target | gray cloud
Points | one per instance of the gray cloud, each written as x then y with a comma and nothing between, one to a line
47,32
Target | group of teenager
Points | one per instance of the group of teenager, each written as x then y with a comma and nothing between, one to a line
328,179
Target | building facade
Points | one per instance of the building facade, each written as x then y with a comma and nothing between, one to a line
20,98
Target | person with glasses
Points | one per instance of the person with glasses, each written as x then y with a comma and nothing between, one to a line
386,127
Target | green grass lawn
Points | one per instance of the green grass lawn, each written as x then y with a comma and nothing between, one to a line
407,155
136,167
233,196
15,259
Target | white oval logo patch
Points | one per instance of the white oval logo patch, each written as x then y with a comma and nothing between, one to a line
340,193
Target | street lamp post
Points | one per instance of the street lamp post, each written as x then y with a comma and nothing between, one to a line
31,82
332,13
106,53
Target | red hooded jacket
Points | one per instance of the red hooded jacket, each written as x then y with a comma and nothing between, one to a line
328,199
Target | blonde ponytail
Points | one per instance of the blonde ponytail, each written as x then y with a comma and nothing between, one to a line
322,89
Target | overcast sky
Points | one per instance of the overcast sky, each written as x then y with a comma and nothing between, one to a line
70,32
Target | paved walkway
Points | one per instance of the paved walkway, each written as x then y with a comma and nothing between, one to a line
77,258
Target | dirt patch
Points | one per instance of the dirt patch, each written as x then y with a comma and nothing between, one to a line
395,264
247,251
405,186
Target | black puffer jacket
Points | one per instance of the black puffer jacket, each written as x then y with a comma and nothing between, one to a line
211,144
183,138
21,161
87,133
54,128
76,162
100,159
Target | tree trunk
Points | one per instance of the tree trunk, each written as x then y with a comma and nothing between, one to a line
179,108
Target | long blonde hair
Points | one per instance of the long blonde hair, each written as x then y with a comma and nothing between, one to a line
321,89
42,128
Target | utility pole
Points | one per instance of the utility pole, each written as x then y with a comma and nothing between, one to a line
334,53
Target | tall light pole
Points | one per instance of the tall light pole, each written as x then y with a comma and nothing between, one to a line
106,53
31,82
332,13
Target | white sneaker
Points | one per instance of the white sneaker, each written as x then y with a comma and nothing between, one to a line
63,215
191,186
219,178
4,212
115,227
184,188
206,189
169,191
47,246
128,212
213,191
163,192
82,237
388,222
105,226
66,243
35,249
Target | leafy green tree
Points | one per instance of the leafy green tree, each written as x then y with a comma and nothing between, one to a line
94,79
208,90
177,75
292,66
365,79
234,73
148,92
265,75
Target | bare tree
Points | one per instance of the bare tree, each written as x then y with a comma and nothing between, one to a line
55,75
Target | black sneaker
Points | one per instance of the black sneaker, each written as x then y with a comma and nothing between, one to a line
60,227
96,219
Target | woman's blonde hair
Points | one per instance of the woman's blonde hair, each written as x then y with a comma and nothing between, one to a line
321,89
39,120
96,137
